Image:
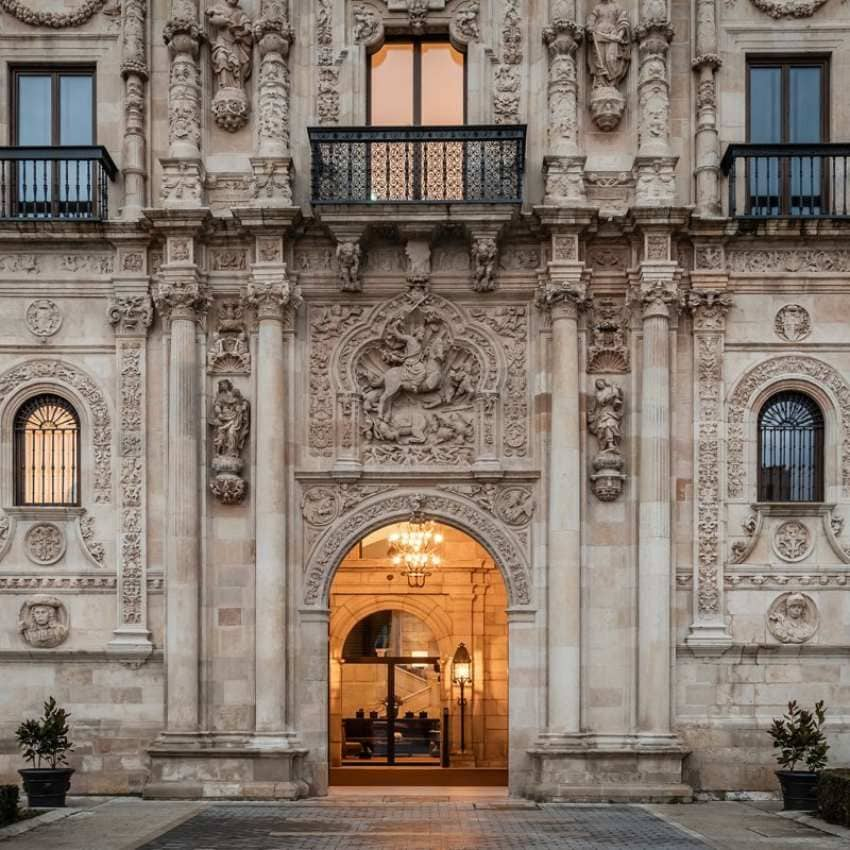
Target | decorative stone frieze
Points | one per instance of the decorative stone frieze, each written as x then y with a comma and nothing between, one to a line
43,622
604,421
44,543
793,618
228,352
507,74
230,421
43,318
231,57
759,376
824,259
609,35
792,323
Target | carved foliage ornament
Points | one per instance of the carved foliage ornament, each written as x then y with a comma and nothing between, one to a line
793,618
506,89
43,621
56,20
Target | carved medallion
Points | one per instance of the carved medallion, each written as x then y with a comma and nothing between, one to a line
793,323
793,618
43,317
44,543
792,541
43,621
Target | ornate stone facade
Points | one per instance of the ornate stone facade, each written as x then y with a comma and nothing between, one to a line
265,382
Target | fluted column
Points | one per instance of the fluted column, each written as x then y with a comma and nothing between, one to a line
275,298
705,63
134,70
563,295
659,299
182,299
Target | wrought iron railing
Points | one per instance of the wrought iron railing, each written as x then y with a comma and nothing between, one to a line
788,180
467,164
63,182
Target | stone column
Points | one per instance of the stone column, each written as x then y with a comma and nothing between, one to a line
655,163
706,63
182,170
182,299
659,298
563,167
563,295
708,632
130,312
275,298
272,166
134,70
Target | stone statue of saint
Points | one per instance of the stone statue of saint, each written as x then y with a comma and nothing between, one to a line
608,55
606,416
43,621
793,618
231,56
231,420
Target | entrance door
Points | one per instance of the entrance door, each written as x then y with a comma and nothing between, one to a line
397,712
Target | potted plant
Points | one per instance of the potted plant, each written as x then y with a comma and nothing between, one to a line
799,737
46,740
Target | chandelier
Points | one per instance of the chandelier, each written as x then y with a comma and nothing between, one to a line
414,549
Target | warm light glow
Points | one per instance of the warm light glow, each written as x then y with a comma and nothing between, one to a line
413,550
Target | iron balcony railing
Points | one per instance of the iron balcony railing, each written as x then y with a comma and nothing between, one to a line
63,182
787,180
466,164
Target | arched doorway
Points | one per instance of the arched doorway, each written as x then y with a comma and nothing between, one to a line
393,691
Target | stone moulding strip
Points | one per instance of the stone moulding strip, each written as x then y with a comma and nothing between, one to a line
93,582
81,656
760,653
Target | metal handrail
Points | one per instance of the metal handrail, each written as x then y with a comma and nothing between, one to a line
95,153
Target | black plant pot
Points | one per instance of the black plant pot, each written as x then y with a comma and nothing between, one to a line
46,787
799,789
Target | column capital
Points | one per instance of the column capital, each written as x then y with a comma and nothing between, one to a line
709,308
658,297
130,315
272,298
564,298
183,297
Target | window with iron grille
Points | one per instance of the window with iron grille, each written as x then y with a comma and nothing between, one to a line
790,449
47,451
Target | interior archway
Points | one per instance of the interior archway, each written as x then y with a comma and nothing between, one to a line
380,624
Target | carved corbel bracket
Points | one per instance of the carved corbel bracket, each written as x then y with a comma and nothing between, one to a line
349,255
484,254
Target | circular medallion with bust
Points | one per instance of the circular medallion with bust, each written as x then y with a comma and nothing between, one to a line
43,621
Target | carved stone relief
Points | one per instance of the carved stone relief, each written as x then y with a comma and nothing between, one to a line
792,541
821,259
43,318
463,26
44,543
782,367
43,621
609,36
84,12
231,55
93,547
228,352
230,422
327,92
793,323
228,260
348,254
778,9
793,618
130,313
604,421
608,349
507,73
367,24
484,262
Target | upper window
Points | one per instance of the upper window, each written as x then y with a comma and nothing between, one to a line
787,103
790,449
47,450
417,82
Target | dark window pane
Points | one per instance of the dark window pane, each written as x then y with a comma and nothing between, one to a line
765,112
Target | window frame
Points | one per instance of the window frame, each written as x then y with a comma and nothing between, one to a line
19,452
417,42
818,468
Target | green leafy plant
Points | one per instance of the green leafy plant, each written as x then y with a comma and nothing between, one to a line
46,739
798,735
834,796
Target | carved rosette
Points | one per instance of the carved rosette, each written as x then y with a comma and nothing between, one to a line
274,38
44,543
183,38
709,308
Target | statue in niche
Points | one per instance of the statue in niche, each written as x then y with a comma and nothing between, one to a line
231,423
43,621
609,53
231,56
604,421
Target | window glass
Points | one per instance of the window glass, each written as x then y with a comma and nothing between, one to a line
442,84
765,105
35,117
75,110
804,105
392,85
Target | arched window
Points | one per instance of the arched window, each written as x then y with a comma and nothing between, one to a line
790,449
47,451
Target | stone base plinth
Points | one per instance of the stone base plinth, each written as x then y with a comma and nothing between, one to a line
625,773
180,771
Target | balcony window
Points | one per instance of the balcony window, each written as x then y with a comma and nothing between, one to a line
53,168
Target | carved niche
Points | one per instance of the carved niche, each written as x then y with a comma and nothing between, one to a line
417,382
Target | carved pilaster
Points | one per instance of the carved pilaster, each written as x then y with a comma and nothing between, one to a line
654,162
183,37
327,91
507,74
134,70
708,631
705,64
